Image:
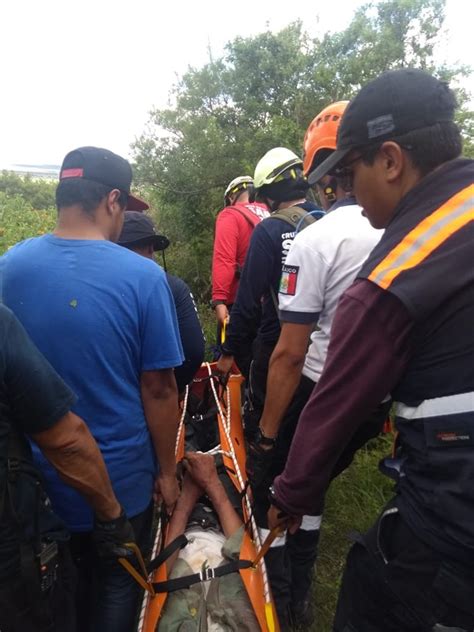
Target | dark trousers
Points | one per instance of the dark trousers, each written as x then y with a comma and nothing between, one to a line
393,582
108,597
52,611
290,567
256,385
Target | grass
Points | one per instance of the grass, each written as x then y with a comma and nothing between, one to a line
207,318
354,500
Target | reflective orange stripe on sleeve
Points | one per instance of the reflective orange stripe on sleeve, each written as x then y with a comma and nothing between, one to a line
428,235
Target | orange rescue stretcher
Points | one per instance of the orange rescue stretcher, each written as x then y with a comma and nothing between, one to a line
232,448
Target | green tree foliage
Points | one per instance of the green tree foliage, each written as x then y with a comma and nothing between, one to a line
39,193
19,220
263,92
26,208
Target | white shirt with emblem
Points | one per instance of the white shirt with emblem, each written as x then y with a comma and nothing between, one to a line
322,263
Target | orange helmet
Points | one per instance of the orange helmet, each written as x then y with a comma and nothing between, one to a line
322,133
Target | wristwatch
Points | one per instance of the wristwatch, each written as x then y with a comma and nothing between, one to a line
273,500
261,439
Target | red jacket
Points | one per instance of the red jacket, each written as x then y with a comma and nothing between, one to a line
234,226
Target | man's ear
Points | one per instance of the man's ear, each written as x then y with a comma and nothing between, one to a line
112,201
393,159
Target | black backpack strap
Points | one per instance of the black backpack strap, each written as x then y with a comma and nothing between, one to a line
181,583
17,453
176,545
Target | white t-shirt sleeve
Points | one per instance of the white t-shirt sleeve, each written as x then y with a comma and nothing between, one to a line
302,285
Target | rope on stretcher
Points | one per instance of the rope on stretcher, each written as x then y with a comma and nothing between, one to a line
157,541
216,450
256,536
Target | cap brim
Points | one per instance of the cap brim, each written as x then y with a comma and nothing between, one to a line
135,204
160,242
328,165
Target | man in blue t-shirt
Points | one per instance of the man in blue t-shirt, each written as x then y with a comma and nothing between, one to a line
96,311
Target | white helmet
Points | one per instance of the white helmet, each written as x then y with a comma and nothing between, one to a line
238,184
273,164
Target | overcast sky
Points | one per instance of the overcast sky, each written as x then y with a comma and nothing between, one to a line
88,72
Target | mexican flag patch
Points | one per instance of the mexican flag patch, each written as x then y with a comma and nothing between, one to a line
289,276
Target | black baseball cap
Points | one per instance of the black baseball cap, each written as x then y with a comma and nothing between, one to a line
395,103
138,228
104,167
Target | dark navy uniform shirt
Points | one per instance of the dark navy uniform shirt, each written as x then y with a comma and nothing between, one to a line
32,399
254,310
190,331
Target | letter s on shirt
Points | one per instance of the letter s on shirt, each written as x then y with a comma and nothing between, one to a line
285,247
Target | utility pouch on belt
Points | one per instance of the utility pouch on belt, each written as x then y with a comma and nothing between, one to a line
26,505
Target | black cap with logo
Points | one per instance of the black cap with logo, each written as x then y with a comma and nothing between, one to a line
104,167
139,229
395,103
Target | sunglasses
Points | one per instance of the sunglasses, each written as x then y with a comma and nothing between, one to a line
345,175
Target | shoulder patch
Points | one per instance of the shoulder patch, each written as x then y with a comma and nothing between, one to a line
289,277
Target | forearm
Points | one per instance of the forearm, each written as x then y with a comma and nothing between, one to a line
75,455
178,523
283,378
369,349
228,517
160,403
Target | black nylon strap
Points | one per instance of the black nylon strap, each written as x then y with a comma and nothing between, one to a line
176,545
17,453
181,583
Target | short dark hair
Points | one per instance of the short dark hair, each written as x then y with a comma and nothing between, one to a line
428,147
87,193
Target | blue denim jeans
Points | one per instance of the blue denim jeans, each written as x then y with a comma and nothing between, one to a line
108,597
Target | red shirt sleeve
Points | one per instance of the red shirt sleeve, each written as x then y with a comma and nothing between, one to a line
224,258
368,352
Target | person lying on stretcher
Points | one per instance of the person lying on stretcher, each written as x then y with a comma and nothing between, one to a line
214,538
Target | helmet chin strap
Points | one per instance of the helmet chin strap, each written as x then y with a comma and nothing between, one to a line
273,205
238,195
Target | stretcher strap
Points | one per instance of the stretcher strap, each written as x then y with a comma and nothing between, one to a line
176,545
181,583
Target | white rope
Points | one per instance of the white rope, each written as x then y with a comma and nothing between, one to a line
181,421
226,424
157,541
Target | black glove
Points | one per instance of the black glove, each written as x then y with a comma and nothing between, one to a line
111,536
259,464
